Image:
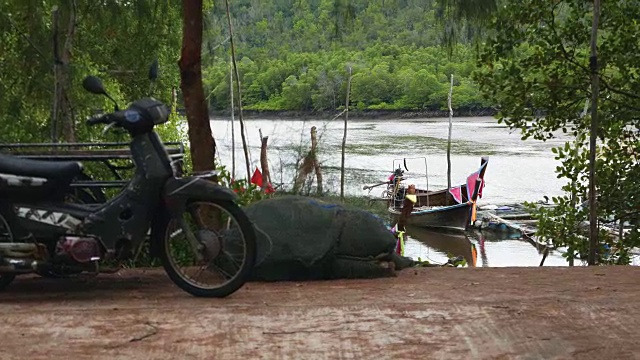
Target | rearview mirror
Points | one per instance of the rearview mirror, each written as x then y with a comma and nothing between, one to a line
93,85
153,70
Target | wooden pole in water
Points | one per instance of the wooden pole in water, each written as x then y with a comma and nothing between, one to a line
245,147
449,138
344,137
233,132
595,88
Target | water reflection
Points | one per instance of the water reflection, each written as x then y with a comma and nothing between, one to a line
449,244
478,248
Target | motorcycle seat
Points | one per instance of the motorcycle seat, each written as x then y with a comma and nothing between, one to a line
53,170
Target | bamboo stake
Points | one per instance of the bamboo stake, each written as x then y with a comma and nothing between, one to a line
595,89
449,138
233,131
235,69
344,136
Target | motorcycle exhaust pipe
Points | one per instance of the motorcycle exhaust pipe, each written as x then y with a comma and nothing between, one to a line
19,258
13,265
18,250
24,247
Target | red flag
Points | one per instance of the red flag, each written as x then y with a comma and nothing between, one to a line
257,178
269,189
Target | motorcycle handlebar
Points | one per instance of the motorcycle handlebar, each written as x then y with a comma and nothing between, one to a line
114,117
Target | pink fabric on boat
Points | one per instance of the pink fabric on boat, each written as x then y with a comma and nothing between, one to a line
456,192
471,184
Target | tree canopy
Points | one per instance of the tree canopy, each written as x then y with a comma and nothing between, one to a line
294,55
536,68
116,40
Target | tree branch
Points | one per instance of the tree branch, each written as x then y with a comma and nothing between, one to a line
24,35
570,58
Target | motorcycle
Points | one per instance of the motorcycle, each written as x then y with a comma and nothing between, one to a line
204,240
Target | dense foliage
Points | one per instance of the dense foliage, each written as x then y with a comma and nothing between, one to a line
116,40
295,55
536,68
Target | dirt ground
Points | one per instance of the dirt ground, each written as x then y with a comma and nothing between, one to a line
428,313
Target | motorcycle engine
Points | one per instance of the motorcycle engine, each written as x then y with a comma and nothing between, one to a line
79,249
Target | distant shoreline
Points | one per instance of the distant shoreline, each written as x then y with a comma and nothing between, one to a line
356,114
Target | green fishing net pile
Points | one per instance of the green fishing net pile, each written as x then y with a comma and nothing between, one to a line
301,238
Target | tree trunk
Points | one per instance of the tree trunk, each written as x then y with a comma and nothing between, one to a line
595,89
68,121
56,63
63,118
203,146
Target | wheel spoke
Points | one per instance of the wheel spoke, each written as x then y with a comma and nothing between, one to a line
220,271
199,272
233,259
214,229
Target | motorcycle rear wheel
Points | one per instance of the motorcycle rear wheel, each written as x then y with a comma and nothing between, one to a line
227,248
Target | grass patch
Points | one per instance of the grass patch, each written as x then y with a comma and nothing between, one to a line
368,149
403,143
367,127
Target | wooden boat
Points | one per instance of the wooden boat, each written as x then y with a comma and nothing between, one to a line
448,208
449,243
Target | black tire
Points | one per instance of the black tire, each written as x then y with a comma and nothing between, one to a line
161,239
5,280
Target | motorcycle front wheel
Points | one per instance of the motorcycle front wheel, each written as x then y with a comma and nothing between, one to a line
209,250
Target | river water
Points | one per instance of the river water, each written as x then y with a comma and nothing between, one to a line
517,171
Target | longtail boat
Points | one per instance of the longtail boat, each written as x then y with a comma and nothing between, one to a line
453,208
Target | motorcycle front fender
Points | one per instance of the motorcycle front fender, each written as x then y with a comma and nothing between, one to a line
177,191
